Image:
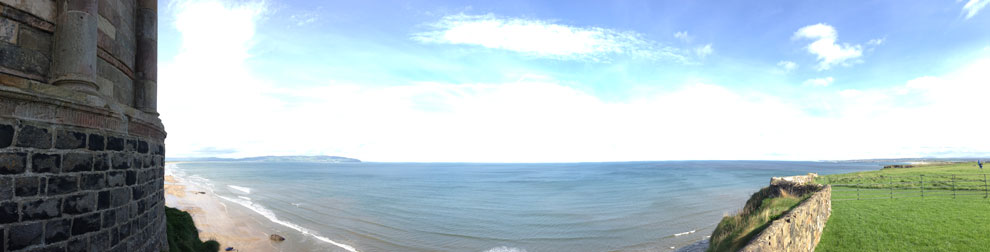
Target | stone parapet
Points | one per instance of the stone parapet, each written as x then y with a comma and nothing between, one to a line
798,230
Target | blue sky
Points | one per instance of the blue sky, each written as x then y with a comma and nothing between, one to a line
522,81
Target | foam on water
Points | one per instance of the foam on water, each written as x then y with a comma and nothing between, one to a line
505,249
242,189
685,233
271,216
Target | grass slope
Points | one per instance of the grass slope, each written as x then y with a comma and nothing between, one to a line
934,223
182,233
734,232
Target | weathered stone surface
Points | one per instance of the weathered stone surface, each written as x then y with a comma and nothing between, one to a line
25,60
8,30
109,219
13,163
44,9
45,163
130,145
116,178
131,177
142,147
797,230
103,200
100,241
65,139
86,223
27,186
6,135
6,188
115,143
77,162
22,236
79,245
57,230
120,197
8,212
101,162
123,85
34,137
96,142
63,184
34,39
121,161
81,203
92,181
41,209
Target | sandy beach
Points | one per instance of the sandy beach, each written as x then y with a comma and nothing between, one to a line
215,219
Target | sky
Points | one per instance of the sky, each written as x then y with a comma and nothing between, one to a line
575,81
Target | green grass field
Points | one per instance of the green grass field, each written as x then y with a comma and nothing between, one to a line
937,222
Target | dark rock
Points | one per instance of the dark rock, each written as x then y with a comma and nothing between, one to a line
109,219
100,241
116,178
101,162
27,186
41,209
142,147
13,163
92,181
120,197
34,137
86,223
65,139
131,177
138,192
103,200
130,145
23,59
76,162
8,212
121,161
82,203
45,163
115,143
96,142
63,184
25,235
6,188
275,237
57,230
6,135
78,244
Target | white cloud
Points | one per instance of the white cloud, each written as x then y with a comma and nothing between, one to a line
543,38
683,36
974,6
825,47
704,51
819,82
787,66
212,104
875,42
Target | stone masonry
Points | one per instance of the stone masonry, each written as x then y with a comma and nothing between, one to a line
81,143
798,230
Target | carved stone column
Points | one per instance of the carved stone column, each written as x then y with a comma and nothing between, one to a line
146,64
74,58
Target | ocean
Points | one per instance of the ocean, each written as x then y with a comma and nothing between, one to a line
616,206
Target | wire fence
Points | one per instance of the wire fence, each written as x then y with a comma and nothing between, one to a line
924,186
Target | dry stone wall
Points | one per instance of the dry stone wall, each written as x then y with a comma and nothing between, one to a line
81,144
798,230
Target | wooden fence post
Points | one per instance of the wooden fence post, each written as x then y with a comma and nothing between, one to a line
891,187
986,193
953,186
922,176
857,191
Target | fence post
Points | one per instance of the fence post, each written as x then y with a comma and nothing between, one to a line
857,191
953,186
891,187
922,185
986,193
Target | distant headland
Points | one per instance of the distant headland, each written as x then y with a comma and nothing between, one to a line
315,159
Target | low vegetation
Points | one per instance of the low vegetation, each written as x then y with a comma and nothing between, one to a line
182,233
766,205
943,220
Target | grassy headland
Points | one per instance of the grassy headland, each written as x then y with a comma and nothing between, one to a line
182,234
941,221
734,232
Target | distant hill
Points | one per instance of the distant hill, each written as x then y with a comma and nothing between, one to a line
313,159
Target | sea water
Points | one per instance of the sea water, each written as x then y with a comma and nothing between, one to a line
621,206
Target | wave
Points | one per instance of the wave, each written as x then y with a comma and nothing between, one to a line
505,249
685,233
242,189
271,216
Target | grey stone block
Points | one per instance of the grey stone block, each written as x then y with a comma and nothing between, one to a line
120,197
6,135
8,212
24,60
6,188
36,40
8,30
77,162
27,186
34,137
78,244
100,241
45,163
92,181
96,142
101,162
65,139
86,223
121,161
13,163
22,236
131,177
115,143
109,219
82,203
41,209
63,184
57,230
142,147
130,145
116,178
103,200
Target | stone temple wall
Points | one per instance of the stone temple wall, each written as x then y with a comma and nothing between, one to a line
81,143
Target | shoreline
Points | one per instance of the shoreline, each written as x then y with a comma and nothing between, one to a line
215,219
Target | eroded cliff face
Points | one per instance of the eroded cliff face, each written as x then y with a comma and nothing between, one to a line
81,144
